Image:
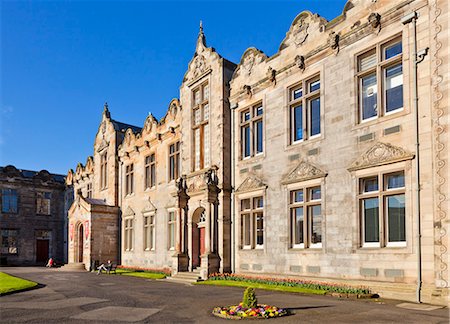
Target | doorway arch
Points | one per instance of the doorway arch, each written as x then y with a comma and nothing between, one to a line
198,236
80,243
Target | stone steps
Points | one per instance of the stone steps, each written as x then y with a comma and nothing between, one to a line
186,277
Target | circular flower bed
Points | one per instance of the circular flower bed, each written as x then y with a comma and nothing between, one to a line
240,312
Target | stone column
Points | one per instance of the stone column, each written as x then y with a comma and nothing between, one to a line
178,247
208,229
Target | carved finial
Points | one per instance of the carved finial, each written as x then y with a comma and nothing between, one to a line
106,110
272,75
300,62
201,39
375,21
248,90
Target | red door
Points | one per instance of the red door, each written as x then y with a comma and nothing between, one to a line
42,251
202,240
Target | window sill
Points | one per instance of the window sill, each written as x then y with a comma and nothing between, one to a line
377,120
305,142
251,160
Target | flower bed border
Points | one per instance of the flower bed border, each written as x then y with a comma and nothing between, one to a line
330,288
217,312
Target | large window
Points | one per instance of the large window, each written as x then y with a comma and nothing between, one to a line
200,126
306,217
174,161
252,131
104,171
128,238
9,201
171,230
380,71
150,171
304,110
252,222
382,210
9,241
149,232
89,190
43,203
129,179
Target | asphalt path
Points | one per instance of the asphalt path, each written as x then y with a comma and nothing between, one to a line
83,297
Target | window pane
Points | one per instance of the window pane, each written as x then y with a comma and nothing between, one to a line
297,196
259,136
206,92
246,229
297,223
314,193
196,98
259,229
315,116
196,116
396,218
206,112
258,202
259,111
246,141
392,50
297,123
369,184
316,224
245,116
197,148
298,93
394,87
367,61
313,86
371,220
369,96
395,181
245,204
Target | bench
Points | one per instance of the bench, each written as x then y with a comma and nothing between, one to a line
112,268
109,269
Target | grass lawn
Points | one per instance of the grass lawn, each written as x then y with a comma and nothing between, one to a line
230,283
9,283
140,274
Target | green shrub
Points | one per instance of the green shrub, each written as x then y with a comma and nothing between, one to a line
249,300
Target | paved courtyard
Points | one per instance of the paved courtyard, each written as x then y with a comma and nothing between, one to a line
82,297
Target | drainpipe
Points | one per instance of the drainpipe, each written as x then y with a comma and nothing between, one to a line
233,214
417,58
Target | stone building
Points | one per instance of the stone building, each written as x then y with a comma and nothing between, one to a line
32,220
302,164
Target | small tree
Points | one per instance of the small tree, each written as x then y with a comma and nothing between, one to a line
249,300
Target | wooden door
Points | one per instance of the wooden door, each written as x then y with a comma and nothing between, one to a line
42,247
202,240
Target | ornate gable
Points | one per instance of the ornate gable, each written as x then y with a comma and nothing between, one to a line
303,28
129,212
380,154
251,57
251,183
302,172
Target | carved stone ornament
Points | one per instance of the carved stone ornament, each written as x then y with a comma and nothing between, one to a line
196,183
380,154
301,32
251,183
375,21
300,62
148,123
248,64
333,41
103,127
128,212
272,75
302,172
199,66
149,207
248,90
104,144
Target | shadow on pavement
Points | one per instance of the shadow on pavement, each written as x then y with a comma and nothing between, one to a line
38,286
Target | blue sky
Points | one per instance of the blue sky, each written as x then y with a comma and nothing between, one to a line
61,60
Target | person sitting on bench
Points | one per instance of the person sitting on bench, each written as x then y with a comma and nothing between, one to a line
104,267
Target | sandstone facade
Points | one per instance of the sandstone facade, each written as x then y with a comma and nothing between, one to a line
299,164
33,214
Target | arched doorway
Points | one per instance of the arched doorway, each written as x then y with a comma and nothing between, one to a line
198,236
80,243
